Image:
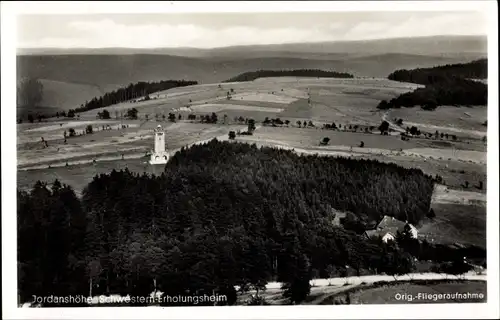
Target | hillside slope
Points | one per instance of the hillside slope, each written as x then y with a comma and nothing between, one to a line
59,96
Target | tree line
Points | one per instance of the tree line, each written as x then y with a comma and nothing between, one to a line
252,75
132,91
444,85
220,215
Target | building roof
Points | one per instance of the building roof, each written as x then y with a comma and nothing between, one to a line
390,223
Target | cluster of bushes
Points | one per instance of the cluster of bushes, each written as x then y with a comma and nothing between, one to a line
251,128
328,126
305,124
444,85
250,76
415,131
104,114
275,122
209,118
241,120
222,214
132,113
334,126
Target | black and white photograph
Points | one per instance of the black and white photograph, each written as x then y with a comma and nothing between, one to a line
218,160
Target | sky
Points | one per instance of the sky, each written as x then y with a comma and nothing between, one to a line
209,30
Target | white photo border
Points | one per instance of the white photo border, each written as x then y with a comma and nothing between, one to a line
9,11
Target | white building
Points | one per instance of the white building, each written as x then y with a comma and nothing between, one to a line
388,237
412,230
159,155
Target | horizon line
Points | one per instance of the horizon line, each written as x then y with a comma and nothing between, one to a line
248,45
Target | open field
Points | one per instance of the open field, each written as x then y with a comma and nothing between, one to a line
448,119
454,154
465,223
212,107
266,97
442,194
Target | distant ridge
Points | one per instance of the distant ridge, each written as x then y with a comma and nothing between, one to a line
431,45
250,76
110,51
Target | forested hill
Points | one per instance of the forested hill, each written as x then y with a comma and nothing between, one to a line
221,215
444,85
250,76
473,70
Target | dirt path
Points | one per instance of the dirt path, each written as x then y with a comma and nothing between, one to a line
392,125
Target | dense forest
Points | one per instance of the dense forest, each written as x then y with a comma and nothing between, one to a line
250,76
221,215
444,85
427,76
133,91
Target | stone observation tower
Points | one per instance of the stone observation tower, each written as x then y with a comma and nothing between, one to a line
159,155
